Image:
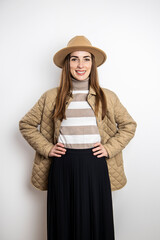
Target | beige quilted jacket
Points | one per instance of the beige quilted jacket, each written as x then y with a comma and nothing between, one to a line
41,132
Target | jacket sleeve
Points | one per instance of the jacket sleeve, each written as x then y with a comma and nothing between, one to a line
126,127
28,126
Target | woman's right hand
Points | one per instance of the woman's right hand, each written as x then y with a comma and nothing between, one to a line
57,150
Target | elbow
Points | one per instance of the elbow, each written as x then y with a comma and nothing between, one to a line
20,125
134,127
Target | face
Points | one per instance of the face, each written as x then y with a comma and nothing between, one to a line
80,64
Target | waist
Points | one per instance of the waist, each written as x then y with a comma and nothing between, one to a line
78,150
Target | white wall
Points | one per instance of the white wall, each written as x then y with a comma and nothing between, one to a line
129,32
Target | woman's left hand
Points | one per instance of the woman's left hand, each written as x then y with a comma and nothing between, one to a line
99,149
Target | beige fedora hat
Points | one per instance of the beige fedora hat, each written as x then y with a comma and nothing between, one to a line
79,43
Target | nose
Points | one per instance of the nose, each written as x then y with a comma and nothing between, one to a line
80,63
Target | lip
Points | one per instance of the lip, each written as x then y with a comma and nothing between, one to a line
80,74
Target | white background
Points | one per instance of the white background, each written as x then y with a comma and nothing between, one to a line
129,32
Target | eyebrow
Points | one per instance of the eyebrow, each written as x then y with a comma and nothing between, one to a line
77,57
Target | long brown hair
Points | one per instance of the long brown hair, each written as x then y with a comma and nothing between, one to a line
66,85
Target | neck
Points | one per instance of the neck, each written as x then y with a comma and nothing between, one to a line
80,84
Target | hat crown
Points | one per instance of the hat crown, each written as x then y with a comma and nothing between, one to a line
79,41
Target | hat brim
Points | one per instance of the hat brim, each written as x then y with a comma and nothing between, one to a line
100,55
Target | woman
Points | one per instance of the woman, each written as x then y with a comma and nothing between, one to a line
83,130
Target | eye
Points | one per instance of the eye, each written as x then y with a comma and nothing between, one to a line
73,59
87,59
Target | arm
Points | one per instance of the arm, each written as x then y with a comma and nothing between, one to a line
126,127
28,126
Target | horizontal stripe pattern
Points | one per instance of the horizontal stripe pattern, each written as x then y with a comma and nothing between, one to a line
78,105
79,138
80,91
78,121
80,113
79,129
79,97
78,146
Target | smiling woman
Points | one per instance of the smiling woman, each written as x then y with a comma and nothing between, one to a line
83,130
80,64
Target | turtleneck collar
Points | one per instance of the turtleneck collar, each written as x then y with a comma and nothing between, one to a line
80,84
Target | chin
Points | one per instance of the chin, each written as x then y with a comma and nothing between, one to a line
80,77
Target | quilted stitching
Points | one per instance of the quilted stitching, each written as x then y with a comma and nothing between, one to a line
113,139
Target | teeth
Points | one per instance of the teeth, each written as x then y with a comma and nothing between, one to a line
80,71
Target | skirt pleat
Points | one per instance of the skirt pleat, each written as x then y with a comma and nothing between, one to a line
79,200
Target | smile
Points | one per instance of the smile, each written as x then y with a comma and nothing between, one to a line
80,72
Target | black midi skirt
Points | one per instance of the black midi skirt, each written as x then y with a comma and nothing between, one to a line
79,200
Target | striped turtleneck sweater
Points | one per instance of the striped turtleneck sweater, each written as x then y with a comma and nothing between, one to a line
79,129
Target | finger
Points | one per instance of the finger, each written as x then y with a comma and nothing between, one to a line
102,155
96,153
96,149
58,152
97,144
61,149
60,144
56,155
